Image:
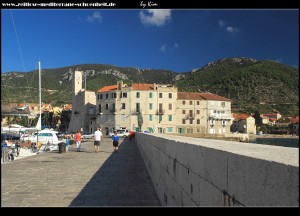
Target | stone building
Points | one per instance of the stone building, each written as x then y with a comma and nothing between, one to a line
83,106
162,108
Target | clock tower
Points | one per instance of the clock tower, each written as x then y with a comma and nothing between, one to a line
76,83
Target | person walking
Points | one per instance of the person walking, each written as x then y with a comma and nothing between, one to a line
78,140
115,141
98,137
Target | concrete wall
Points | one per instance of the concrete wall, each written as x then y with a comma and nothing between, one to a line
204,172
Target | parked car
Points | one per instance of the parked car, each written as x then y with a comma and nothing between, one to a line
87,136
120,133
126,132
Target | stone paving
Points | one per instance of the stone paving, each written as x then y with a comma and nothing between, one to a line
79,179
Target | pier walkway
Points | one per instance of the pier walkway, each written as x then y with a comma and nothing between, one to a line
79,179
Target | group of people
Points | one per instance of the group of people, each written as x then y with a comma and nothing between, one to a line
98,138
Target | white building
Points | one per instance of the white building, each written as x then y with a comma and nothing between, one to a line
119,106
83,106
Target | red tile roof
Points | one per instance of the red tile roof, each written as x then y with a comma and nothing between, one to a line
188,96
142,86
240,116
273,119
210,96
270,114
294,120
108,88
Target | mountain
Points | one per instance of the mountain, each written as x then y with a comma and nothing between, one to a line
252,85
56,83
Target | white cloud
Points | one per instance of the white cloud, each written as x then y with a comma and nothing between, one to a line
96,16
163,48
156,17
231,29
222,23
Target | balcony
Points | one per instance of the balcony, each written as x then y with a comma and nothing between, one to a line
160,112
220,116
212,122
190,116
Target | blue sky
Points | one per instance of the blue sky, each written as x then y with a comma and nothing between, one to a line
177,40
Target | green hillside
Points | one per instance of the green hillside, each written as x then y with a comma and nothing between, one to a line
252,85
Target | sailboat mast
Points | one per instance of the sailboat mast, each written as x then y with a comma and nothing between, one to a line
39,126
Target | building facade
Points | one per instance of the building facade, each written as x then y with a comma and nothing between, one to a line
162,109
83,106
243,124
120,106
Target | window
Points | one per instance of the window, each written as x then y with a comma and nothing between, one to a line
160,118
101,97
124,95
170,129
191,102
123,106
106,96
223,104
183,102
160,95
150,95
113,107
170,106
198,121
106,106
170,117
137,106
160,108
198,102
100,108
150,106
183,111
191,121
170,95
113,95
198,112
150,117
137,95
183,121
98,96
91,110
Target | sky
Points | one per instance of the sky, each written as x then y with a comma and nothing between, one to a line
176,40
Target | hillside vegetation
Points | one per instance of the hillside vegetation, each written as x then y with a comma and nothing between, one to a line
252,85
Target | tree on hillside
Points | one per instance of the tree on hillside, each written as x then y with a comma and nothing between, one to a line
140,121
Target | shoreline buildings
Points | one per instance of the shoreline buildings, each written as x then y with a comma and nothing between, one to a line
157,108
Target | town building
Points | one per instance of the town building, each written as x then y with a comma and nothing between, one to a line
161,109
83,106
243,123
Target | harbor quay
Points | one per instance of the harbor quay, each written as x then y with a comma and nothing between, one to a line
79,179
